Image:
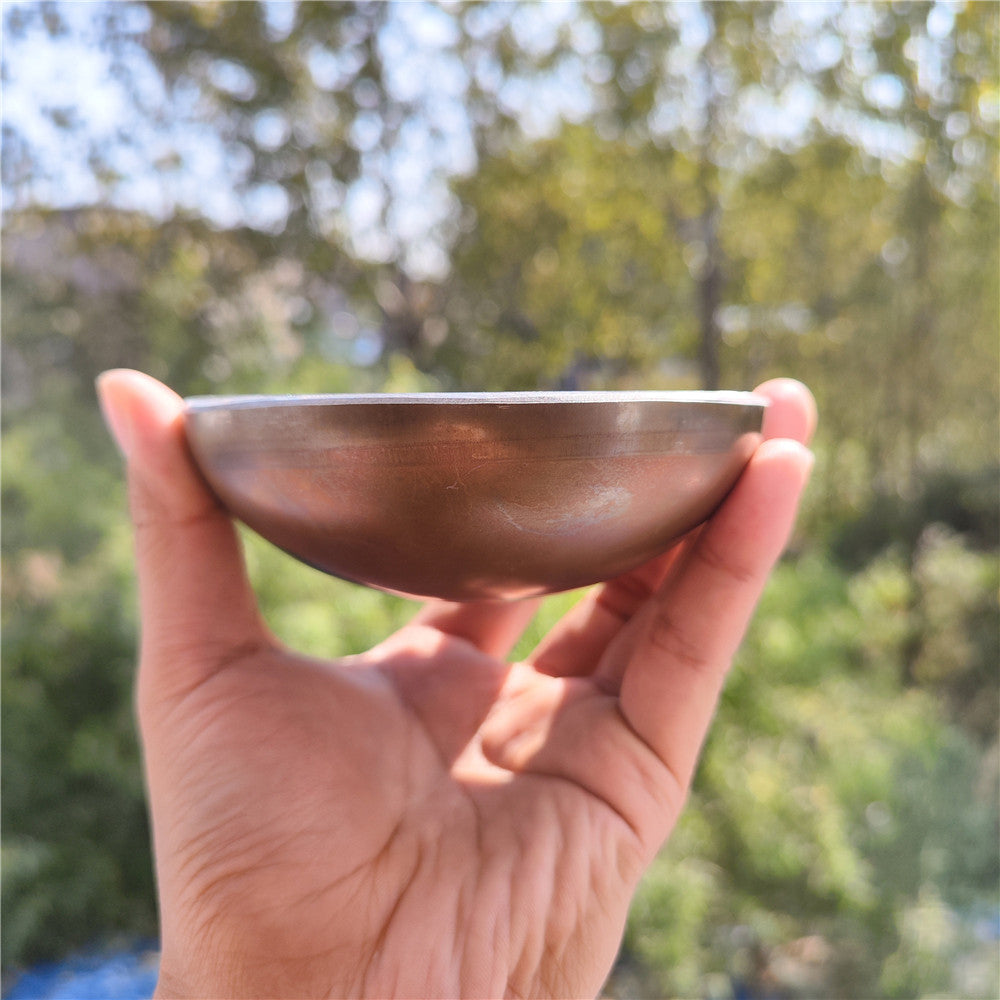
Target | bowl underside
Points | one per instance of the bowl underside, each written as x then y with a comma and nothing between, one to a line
474,496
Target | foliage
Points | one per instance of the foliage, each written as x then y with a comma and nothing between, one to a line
74,819
828,803
585,195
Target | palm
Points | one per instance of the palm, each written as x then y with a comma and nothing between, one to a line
420,763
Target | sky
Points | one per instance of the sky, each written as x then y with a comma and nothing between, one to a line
181,162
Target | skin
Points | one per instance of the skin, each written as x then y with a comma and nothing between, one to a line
425,819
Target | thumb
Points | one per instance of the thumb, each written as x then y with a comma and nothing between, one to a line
196,606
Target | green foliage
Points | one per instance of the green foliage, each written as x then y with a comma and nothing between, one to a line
75,856
315,614
572,263
830,803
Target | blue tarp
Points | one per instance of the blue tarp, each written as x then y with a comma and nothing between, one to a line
129,975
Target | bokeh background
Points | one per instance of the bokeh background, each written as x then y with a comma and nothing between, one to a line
302,197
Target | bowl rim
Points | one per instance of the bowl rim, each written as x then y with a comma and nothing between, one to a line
508,398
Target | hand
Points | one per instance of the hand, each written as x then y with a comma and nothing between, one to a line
425,819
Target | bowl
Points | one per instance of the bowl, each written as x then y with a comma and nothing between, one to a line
474,496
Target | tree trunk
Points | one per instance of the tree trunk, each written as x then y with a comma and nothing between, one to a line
709,300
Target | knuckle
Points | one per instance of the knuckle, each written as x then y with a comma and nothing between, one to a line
671,641
623,595
724,564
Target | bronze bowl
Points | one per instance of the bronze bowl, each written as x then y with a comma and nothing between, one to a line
474,496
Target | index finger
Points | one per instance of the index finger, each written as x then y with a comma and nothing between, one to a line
686,636
575,646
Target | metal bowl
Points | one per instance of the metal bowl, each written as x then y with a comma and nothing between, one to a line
472,496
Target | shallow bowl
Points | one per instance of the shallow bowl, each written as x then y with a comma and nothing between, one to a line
473,496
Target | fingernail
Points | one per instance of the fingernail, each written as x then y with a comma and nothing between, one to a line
116,416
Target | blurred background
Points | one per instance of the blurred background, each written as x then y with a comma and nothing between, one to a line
305,197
